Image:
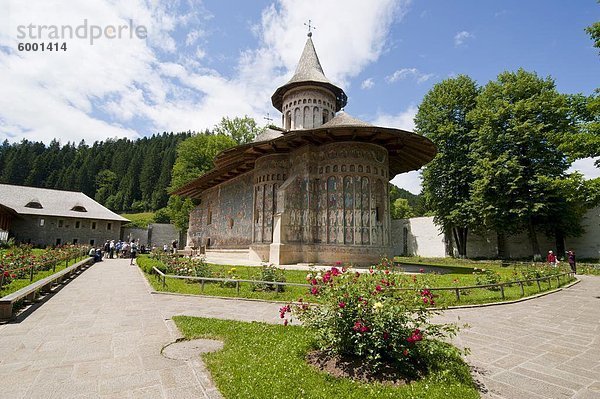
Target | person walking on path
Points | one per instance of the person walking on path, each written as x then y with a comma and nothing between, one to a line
133,250
571,258
551,259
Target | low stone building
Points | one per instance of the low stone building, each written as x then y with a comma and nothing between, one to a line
315,190
43,217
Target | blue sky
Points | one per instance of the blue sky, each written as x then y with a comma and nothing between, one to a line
204,60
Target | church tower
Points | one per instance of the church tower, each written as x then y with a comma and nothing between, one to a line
308,99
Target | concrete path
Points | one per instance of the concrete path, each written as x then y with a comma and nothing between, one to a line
99,337
102,334
547,347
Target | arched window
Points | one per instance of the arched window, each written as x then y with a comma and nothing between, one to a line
316,117
307,118
78,208
297,119
325,116
288,120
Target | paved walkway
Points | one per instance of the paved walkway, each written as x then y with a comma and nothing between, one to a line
98,337
102,334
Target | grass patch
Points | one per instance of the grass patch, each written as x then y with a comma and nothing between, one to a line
267,361
445,298
141,220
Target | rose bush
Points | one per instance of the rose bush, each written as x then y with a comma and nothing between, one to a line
380,316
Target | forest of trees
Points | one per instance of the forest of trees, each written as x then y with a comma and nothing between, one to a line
124,175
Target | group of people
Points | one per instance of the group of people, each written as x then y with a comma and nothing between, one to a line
553,260
118,249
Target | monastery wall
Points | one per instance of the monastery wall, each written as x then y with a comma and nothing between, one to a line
223,219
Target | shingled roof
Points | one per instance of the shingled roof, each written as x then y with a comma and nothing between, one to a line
47,202
407,151
309,71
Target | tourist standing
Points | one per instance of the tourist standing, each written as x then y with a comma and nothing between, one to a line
551,259
571,257
112,249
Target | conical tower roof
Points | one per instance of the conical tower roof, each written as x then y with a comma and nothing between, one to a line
309,72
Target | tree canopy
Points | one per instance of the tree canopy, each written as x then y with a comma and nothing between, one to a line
448,178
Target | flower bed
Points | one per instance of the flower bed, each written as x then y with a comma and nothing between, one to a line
21,265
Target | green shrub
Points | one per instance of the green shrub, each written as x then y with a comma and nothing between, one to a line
487,277
269,273
365,316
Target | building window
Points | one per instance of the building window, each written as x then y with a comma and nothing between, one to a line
92,242
209,216
109,226
93,225
78,208
61,223
58,241
42,222
77,224
75,241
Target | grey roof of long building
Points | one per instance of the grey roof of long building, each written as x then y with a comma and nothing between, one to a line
54,203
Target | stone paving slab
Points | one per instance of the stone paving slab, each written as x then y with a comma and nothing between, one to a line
99,337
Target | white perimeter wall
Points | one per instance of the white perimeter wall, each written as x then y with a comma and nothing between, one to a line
420,236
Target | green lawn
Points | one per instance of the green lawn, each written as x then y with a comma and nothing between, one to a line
267,361
461,277
141,220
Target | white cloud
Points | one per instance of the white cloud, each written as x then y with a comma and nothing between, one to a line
99,91
410,181
461,37
406,73
403,120
367,84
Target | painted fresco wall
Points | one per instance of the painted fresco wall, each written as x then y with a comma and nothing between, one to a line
336,195
223,219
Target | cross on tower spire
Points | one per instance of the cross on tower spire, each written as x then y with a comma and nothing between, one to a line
268,118
310,27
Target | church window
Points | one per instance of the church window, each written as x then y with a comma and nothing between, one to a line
315,117
368,169
307,118
335,168
309,101
343,168
352,168
360,168
314,100
324,116
319,101
304,101
327,169
297,119
288,120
